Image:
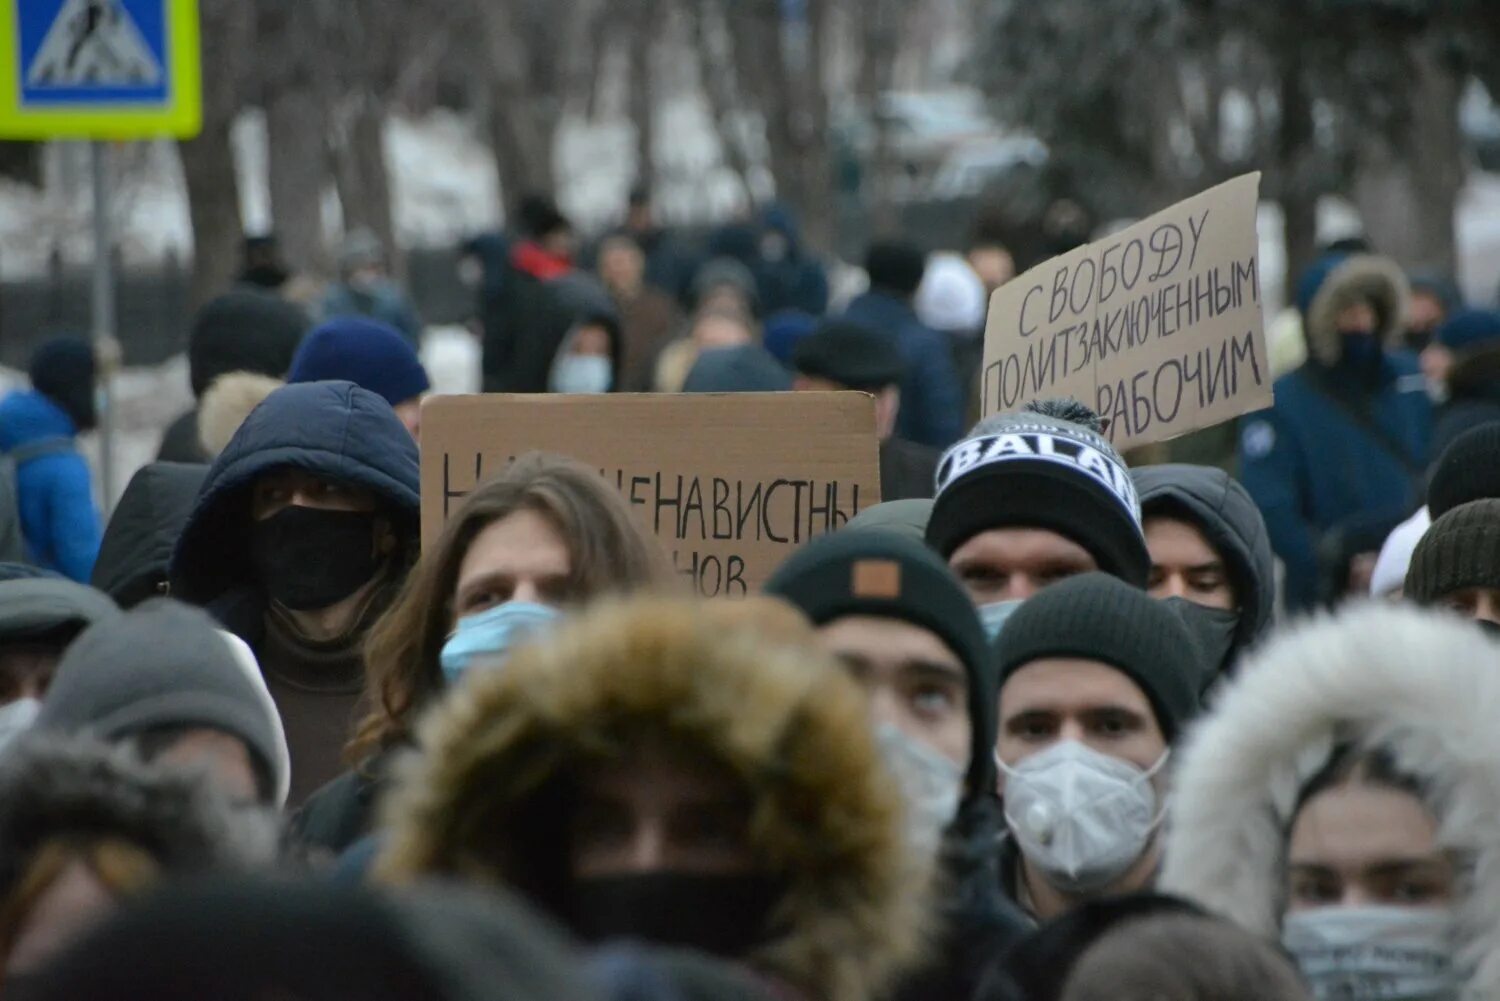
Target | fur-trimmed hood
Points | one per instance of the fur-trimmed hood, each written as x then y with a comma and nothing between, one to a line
1420,686
826,816
226,404
1337,280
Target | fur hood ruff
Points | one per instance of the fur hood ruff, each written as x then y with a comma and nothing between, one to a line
1423,687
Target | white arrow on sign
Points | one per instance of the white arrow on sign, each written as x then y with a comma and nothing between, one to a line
93,43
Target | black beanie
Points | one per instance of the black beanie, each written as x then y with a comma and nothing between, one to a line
1468,470
895,266
63,371
878,573
1461,550
1098,617
243,331
850,355
1032,470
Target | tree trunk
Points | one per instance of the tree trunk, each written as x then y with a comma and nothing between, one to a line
877,67
296,129
643,91
214,210
1298,193
1407,184
523,117
715,79
362,179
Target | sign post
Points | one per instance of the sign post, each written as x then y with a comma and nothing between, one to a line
100,70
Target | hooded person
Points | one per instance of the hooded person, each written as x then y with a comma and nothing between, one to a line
240,331
1457,564
143,530
365,287
784,845
899,620
83,827
590,358
1031,497
53,491
1209,546
164,680
932,403
1344,445
1097,682
246,939
370,354
1345,799
712,328
303,531
1463,362
845,356
787,276
39,618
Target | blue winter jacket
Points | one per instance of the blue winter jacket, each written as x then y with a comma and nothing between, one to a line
56,499
1312,468
932,402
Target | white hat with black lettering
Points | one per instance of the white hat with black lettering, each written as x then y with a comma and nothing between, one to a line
1042,467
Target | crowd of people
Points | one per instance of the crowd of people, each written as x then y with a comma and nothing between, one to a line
1050,723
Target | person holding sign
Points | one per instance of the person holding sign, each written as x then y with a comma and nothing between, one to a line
1346,442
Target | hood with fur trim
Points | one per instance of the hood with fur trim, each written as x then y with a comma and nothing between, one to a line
1337,280
1423,687
226,404
826,818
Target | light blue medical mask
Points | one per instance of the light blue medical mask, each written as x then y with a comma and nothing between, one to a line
16,718
490,636
994,616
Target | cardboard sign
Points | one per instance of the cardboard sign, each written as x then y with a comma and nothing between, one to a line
730,483
1157,327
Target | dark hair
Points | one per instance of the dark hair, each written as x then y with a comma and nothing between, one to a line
1351,765
895,267
608,552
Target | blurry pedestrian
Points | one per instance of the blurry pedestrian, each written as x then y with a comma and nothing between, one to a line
952,300
529,318
723,283
932,409
1463,361
302,534
547,535
894,614
1209,546
1031,497
1434,299
1143,961
589,360
40,463
84,827
1342,450
712,327
163,680
1097,682
991,260
1457,564
1344,798
366,288
787,275
743,368
40,616
371,355
654,771
648,316
669,268
844,356
261,264
240,331
1467,470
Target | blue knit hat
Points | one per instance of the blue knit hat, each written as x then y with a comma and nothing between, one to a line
1470,328
371,355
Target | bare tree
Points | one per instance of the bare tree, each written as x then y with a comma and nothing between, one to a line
289,39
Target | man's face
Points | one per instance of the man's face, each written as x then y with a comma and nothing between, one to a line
993,264
283,488
26,669
621,265
222,757
1012,564
1356,318
719,331
521,557
914,681
1481,604
1069,698
663,810
1184,565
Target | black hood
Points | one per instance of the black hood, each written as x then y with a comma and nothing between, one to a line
1214,501
142,532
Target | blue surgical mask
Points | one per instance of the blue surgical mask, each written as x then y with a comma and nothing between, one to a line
582,374
994,616
490,636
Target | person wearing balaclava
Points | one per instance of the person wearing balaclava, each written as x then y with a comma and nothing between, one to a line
1097,680
686,773
1032,497
301,535
898,619
1343,798
1343,448
1209,546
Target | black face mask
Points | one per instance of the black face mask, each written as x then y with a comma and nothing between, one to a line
721,915
1491,629
309,558
1215,630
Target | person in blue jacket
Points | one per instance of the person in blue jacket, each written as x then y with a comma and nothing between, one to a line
302,533
932,401
59,522
1345,443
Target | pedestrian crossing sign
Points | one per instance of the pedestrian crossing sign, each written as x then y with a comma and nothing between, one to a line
99,69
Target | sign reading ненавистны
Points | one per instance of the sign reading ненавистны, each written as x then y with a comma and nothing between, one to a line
1157,327
100,69
731,484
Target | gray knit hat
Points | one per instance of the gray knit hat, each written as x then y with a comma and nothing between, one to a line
1460,551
